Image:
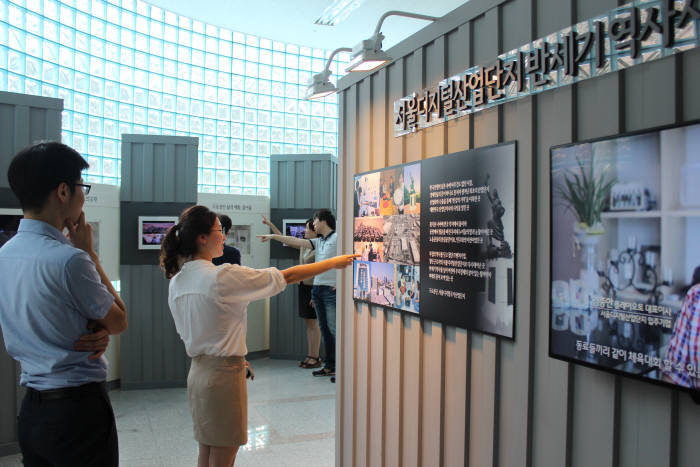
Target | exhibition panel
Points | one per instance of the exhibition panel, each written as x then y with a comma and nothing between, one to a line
625,217
437,238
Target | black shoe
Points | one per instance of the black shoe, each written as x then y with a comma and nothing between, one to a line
332,379
324,372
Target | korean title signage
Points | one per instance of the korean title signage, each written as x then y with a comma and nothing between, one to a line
642,31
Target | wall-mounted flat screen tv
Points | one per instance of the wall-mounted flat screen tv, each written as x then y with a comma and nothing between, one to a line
152,230
9,223
436,238
625,255
294,227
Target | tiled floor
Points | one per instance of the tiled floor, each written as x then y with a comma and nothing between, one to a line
291,422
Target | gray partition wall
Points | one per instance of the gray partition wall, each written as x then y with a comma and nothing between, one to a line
300,184
158,178
23,120
419,393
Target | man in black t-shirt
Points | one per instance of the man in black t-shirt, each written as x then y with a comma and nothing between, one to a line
231,254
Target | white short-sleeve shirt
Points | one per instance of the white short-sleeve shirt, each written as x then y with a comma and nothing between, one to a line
208,304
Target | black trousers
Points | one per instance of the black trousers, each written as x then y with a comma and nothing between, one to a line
73,427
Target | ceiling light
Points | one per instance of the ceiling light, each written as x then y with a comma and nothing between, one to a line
320,85
337,11
368,54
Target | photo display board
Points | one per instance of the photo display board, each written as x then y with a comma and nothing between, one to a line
437,238
625,255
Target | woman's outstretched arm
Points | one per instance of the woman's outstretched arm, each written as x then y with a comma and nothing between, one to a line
306,271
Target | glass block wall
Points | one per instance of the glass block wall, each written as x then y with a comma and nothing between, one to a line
125,66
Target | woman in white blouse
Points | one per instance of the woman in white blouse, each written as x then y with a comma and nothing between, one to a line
208,304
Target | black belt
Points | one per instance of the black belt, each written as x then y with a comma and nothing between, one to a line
64,393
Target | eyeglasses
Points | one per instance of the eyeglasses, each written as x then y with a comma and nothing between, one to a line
86,188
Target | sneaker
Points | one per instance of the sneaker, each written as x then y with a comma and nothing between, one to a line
324,372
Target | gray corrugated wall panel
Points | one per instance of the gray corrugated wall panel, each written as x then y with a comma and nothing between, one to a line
690,61
547,412
515,361
287,329
303,181
156,171
23,120
159,168
152,353
597,114
689,412
26,119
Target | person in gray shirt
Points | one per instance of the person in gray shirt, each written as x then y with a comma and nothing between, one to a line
323,291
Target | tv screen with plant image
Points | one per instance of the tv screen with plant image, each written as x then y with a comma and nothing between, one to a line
625,260
152,230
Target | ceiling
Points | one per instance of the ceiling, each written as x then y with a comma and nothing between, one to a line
293,21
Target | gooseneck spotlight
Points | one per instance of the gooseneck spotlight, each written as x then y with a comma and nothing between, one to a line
320,85
368,54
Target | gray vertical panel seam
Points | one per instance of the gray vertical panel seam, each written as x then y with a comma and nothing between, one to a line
471,58
570,388
354,334
384,383
341,389
497,401
421,405
468,397
354,386
368,386
401,386
370,83
617,414
442,391
678,90
673,435
403,93
423,64
445,59
533,270
388,113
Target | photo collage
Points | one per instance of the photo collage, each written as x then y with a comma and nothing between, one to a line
386,235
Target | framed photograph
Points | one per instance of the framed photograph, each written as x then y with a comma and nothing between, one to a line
152,230
294,227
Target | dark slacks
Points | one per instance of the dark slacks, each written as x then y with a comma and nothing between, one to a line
75,428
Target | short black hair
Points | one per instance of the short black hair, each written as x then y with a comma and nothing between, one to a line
310,224
325,215
226,223
37,170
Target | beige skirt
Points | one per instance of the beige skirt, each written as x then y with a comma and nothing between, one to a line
216,388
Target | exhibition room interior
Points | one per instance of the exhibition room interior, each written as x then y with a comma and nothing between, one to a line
516,177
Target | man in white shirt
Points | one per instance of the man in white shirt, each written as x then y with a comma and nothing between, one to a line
323,291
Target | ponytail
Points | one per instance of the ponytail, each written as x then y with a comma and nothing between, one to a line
180,241
169,257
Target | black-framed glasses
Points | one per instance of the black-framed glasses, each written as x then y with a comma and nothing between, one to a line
86,188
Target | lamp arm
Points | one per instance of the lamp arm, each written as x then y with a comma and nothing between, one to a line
334,53
402,13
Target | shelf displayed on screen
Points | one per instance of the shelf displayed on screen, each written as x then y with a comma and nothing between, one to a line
437,238
625,256
152,230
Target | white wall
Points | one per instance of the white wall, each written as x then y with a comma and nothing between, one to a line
247,210
102,206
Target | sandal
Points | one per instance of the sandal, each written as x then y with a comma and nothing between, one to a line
305,361
312,362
